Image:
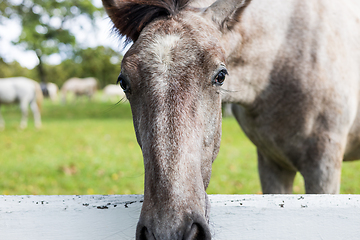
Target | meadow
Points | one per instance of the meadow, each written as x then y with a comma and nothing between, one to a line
90,148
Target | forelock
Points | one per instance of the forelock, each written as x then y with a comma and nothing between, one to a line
131,16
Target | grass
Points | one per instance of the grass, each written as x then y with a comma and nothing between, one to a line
90,148
86,148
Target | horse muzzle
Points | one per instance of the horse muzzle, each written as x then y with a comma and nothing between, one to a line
192,227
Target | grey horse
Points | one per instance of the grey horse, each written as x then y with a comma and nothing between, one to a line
290,68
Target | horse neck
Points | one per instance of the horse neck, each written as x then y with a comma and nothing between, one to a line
252,47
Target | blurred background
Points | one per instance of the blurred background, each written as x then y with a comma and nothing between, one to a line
87,144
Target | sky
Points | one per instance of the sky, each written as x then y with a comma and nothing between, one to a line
11,30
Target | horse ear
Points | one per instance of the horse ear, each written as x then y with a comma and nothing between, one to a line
118,11
226,13
110,7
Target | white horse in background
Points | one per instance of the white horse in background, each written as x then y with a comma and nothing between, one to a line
79,87
53,91
113,92
50,90
24,91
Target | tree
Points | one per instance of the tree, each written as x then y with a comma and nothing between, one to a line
100,62
46,25
13,69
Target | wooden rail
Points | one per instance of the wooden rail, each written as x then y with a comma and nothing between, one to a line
304,217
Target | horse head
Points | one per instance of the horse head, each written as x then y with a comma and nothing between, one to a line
172,76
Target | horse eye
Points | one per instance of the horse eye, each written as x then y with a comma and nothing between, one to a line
123,84
220,77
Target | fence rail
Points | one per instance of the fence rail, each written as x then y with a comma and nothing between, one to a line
232,217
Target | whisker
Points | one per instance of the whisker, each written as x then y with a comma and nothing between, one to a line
112,107
229,91
123,99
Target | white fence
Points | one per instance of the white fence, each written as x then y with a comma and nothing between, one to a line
304,217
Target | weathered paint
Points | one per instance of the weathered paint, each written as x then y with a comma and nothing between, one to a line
232,217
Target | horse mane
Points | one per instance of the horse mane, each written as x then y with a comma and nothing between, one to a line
131,16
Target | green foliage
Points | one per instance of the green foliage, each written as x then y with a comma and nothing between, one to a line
91,62
99,62
46,30
91,148
46,25
13,69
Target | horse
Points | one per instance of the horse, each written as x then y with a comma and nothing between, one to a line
24,91
50,90
290,69
79,87
113,92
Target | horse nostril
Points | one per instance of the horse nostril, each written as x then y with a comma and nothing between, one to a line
192,228
144,234
197,232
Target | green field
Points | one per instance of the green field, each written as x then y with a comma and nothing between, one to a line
90,148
